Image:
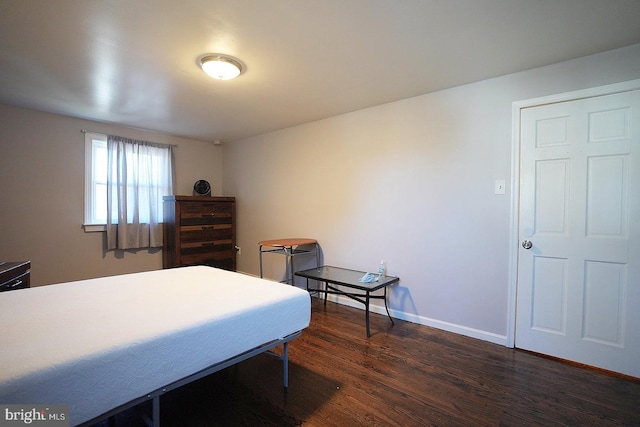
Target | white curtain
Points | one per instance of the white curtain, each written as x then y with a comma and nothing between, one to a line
139,173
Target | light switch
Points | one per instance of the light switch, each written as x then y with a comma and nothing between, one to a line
500,187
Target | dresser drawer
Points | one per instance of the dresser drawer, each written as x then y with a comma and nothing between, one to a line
205,208
194,213
205,233
15,275
206,218
20,282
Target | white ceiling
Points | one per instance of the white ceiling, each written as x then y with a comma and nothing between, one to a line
133,62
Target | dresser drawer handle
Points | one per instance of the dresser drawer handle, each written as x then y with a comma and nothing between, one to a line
208,214
17,283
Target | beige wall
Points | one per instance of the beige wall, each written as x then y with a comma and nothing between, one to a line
42,195
410,182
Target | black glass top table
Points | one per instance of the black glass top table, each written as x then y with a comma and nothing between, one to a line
350,286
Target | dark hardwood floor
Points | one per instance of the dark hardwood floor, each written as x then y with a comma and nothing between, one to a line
404,375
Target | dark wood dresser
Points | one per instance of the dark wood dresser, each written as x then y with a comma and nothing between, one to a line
14,275
199,230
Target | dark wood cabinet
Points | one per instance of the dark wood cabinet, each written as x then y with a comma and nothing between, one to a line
15,275
199,230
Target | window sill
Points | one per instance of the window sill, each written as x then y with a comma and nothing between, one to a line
92,228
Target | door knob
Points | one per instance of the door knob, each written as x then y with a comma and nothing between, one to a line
527,244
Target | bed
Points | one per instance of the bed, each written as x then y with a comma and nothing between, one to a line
105,344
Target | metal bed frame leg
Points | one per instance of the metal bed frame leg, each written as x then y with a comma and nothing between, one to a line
156,411
153,419
285,362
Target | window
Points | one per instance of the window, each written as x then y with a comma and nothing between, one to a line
149,177
95,185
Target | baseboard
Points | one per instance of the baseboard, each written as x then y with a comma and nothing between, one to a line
421,320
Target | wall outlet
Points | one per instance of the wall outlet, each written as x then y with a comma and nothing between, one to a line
238,250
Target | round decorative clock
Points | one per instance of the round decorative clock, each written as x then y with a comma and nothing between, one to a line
201,188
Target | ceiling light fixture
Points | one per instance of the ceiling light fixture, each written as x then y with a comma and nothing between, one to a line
220,66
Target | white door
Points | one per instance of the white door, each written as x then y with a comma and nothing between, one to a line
578,289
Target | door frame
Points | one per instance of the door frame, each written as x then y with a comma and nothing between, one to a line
514,214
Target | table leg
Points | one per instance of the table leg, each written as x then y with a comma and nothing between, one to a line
387,307
325,292
288,266
366,308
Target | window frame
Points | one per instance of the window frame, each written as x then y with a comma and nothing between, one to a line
90,222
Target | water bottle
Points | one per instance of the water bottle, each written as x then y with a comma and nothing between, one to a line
382,269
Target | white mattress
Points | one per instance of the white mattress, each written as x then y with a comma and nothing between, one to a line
97,344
